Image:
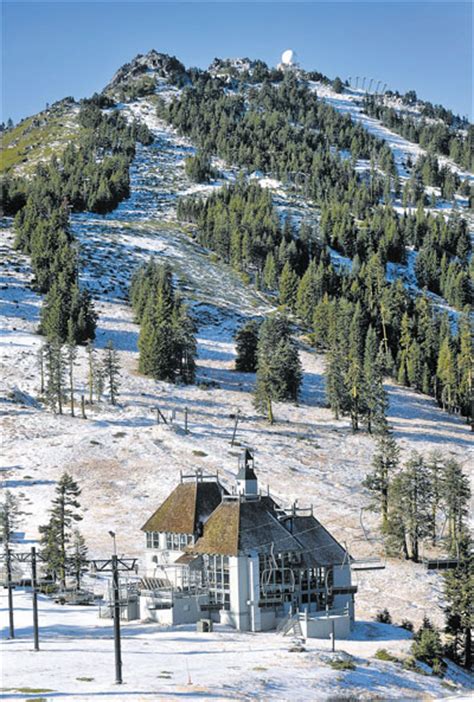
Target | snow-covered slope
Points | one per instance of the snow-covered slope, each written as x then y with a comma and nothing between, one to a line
126,463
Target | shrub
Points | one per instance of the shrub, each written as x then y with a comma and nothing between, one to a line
407,624
427,647
384,617
341,664
381,654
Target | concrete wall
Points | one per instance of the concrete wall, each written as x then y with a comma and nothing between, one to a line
321,628
239,592
268,619
342,577
185,610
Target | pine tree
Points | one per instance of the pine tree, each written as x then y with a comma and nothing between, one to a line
184,334
307,296
412,494
41,362
427,646
278,366
77,558
246,342
9,518
91,369
385,464
55,372
56,535
446,372
459,613
111,371
405,344
270,272
335,385
71,355
455,495
435,467
288,287
354,376
375,397
465,365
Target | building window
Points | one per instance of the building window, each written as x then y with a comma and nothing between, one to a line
178,542
216,573
153,539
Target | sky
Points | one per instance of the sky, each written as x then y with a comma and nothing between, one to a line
54,49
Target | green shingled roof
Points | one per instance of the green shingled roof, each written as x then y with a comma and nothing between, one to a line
189,503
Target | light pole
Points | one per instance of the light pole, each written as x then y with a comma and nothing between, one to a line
116,591
112,535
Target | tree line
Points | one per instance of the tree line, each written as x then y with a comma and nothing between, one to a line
94,176
167,339
437,137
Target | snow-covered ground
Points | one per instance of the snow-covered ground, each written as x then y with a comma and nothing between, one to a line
350,102
76,660
126,464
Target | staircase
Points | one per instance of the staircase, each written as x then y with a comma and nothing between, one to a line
291,624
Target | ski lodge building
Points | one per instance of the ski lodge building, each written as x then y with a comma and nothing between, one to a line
240,559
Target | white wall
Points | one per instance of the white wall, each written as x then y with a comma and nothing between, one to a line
185,610
239,592
342,577
320,628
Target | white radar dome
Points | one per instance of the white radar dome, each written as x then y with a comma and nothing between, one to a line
288,57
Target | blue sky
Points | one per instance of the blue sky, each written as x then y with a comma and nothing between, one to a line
55,49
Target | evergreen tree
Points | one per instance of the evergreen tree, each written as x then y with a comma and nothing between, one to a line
446,372
288,287
40,357
270,272
184,334
91,369
427,646
71,355
375,397
459,596
354,377
111,371
308,292
278,365
56,535
246,342
435,467
465,365
385,464
335,384
455,494
412,494
167,340
77,558
55,373
9,518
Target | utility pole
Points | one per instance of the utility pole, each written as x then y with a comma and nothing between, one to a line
117,642
35,598
11,627
115,565
237,417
